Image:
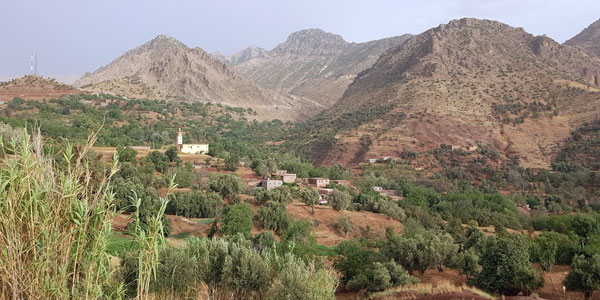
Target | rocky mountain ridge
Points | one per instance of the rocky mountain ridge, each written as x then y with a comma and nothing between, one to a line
311,63
165,68
464,83
588,39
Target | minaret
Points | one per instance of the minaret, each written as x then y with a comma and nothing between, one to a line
180,139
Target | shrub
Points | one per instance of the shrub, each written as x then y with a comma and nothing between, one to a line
237,218
273,215
126,154
196,204
339,200
228,185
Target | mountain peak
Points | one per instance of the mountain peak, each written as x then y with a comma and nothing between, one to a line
163,41
313,41
246,55
588,39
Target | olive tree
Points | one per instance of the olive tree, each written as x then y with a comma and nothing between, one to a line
584,275
338,199
310,197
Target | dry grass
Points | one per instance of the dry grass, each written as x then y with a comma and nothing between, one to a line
411,291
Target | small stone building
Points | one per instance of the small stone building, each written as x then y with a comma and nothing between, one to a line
270,184
319,182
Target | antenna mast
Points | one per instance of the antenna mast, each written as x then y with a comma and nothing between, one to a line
33,64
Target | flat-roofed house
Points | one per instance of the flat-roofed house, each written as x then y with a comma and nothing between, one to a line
280,172
318,181
194,148
270,184
288,178
371,160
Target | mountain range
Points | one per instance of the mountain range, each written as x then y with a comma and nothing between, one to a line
469,82
465,83
165,68
311,63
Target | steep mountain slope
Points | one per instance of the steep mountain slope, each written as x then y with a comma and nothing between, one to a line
464,83
34,88
165,68
311,63
588,39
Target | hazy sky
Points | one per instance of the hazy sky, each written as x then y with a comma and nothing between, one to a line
75,36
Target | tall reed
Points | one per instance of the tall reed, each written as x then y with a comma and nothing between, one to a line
54,224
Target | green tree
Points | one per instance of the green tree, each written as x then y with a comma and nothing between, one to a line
310,197
196,204
301,281
282,194
172,153
273,215
228,185
421,251
159,160
545,247
237,218
506,267
126,154
232,161
467,263
339,200
344,225
584,275
266,167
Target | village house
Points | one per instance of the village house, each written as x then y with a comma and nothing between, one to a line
288,178
194,148
252,182
323,195
456,147
190,148
2,102
472,148
371,160
319,182
377,188
280,172
386,158
284,176
270,184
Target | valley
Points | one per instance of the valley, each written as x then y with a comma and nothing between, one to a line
457,163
